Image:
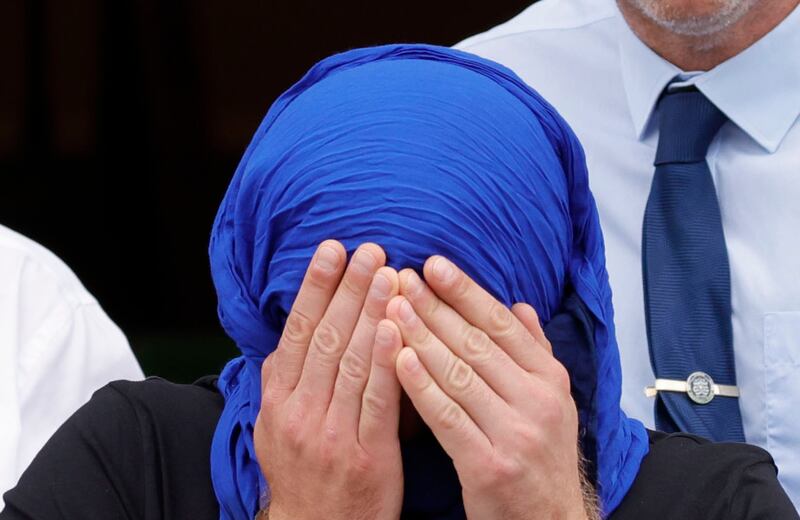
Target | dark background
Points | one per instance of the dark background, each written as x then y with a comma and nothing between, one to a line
121,122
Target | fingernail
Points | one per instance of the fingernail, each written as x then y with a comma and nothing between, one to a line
327,258
383,336
442,269
364,261
381,286
413,284
412,362
406,312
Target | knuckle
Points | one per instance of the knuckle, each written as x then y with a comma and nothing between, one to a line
502,470
561,378
263,424
321,278
374,310
422,385
298,328
460,375
266,367
328,450
374,405
418,335
346,385
349,382
500,320
450,416
354,284
271,397
423,336
528,438
547,346
434,304
290,363
551,412
328,340
353,367
291,431
476,345
329,445
361,465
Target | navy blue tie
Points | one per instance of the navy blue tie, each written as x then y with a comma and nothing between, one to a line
687,276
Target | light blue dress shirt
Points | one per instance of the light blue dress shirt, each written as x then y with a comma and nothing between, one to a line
582,56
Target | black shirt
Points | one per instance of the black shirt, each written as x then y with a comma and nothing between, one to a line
141,451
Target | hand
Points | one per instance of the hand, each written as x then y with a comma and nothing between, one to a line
326,434
484,379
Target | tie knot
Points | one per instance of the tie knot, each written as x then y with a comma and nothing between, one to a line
688,122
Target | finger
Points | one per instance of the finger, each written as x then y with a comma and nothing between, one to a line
316,291
483,311
380,405
450,424
526,314
266,370
468,342
458,380
271,394
354,367
334,331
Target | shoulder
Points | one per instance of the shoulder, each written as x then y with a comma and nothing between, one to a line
161,396
57,346
47,315
148,441
154,414
545,16
685,476
155,406
41,299
567,50
684,450
45,268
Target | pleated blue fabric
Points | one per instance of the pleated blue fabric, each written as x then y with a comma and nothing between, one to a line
423,150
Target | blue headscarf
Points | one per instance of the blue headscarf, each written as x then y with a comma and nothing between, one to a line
422,150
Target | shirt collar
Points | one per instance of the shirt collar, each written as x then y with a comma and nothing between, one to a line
758,89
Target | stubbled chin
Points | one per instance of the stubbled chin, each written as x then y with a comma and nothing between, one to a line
693,17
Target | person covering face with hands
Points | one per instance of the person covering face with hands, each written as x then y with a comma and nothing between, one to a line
462,201
387,145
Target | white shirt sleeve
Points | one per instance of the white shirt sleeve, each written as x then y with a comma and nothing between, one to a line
57,346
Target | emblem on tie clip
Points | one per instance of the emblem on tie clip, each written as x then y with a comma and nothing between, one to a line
699,387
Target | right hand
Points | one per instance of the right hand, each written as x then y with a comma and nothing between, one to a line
326,435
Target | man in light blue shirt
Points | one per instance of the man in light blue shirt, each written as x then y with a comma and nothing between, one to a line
604,66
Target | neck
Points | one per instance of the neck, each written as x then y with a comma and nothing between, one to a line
699,53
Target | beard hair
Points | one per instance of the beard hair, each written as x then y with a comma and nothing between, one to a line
663,14
591,502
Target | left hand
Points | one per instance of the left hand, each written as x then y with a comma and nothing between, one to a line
485,381
326,434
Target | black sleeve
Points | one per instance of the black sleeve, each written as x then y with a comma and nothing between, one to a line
135,451
759,496
690,478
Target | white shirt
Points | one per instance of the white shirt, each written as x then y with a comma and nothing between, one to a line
582,56
57,347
